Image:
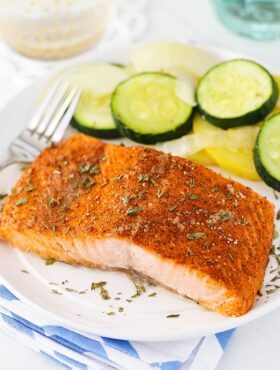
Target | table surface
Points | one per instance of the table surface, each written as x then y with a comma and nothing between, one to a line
253,346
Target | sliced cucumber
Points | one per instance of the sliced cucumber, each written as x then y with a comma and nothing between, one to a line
147,109
235,93
93,114
277,80
267,152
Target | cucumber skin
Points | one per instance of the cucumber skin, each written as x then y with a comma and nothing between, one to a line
154,138
101,134
151,139
261,170
248,119
118,65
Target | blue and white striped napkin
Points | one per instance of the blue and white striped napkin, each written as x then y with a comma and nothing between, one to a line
77,350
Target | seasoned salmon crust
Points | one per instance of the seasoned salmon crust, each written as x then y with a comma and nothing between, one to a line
134,208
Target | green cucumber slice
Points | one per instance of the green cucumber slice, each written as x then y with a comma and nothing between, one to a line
93,113
93,116
147,109
235,93
267,152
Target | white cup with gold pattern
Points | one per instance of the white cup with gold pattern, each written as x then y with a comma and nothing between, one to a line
52,29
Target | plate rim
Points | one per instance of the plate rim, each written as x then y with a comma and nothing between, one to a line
232,322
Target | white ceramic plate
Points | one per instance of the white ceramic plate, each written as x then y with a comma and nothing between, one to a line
143,319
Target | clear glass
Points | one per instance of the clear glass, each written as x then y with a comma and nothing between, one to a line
258,19
52,29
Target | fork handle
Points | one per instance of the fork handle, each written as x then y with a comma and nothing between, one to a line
12,160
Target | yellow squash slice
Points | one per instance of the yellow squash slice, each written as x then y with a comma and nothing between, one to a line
236,160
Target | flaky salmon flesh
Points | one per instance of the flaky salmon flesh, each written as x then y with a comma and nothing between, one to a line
173,221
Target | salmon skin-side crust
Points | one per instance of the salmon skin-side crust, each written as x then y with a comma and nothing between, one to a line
134,208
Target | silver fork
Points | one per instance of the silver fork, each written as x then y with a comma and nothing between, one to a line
47,126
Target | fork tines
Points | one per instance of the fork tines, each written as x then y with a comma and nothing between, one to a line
53,116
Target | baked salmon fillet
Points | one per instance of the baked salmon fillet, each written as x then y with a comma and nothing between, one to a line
172,221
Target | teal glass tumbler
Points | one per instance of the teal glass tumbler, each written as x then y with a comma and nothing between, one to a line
257,19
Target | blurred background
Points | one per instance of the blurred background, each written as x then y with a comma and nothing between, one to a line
41,34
